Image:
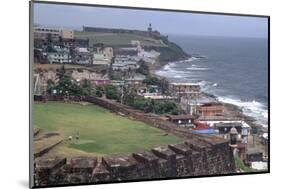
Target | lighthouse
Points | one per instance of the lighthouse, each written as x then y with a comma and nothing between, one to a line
149,29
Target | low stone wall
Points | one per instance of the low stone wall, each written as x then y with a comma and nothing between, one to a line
47,149
194,157
199,155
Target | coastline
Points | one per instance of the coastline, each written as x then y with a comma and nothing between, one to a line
235,110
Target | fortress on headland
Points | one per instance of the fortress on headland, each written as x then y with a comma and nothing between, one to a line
198,155
149,33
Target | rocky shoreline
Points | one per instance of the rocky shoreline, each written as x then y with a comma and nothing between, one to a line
235,110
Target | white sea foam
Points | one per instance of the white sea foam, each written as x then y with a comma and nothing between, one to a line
192,59
251,108
196,69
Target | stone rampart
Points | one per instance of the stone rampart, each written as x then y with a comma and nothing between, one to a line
194,157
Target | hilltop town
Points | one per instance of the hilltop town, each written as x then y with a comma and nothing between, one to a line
113,66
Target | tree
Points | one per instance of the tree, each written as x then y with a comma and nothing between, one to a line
61,72
99,91
50,86
111,92
67,86
129,95
151,81
143,69
143,104
162,83
165,108
110,69
87,88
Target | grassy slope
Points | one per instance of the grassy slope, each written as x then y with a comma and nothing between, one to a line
101,132
116,39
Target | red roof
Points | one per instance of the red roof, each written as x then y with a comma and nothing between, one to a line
200,126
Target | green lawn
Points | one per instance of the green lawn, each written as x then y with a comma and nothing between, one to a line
101,132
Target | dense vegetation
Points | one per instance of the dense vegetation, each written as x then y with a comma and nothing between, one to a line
67,86
111,92
143,69
162,83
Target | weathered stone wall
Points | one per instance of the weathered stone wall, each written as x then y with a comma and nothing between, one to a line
194,157
199,155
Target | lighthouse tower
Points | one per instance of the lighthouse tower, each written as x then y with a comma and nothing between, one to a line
149,30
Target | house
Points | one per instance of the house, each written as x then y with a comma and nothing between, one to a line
124,63
135,79
101,59
224,128
241,127
142,91
149,90
131,51
108,52
203,128
117,83
44,32
59,55
264,138
212,120
181,120
189,90
254,154
80,74
40,56
82,55
192,104
67,34
211,109
148,56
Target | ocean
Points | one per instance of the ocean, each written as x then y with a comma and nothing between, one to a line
233,69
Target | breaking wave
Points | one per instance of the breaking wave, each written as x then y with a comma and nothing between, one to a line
252,108
196,69
186,71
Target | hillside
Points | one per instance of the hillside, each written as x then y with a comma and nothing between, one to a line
169,50
118,39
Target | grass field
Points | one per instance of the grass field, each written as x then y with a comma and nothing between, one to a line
114,39
101,132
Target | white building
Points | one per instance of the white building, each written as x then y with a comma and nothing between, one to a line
123,63
40,32
148,56
82,56
101,59
59,55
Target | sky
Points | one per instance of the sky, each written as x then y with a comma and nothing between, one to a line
168,23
